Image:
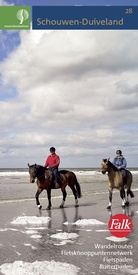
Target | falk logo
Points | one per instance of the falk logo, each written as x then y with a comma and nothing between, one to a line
22,15
120,225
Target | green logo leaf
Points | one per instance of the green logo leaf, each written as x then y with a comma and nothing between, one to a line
14,17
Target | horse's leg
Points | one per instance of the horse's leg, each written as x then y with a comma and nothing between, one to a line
49,199
123,197
129,192
64,198
37,197
75,195
110,199
127,200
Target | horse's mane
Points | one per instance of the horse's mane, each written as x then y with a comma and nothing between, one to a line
113,166
39,167
42,169
46,169
63,171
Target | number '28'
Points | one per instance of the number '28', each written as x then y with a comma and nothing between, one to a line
129,11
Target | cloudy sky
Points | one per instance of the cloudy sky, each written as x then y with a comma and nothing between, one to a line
70,2
74,90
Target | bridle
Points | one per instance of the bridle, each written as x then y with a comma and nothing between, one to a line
105,168
35,171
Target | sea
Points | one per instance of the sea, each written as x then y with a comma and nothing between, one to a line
15,183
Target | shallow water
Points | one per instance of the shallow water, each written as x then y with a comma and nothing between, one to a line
15,185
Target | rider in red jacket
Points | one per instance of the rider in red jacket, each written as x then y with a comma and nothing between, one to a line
52,162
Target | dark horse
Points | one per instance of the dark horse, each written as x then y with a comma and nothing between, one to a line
115,180
44,182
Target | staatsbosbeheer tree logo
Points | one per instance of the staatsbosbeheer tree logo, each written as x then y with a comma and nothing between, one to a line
120,225
22,15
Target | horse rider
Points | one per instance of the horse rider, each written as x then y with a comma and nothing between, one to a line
120,162
52,162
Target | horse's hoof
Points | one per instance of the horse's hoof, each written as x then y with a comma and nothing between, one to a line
123,206
48,208
61,206
127,203
39,207
76,205
108,207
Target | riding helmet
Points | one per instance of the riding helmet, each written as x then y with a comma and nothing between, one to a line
52,149
119,151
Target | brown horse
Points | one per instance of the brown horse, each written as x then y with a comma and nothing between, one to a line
115,180
44,182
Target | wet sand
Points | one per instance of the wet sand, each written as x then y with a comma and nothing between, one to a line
18,244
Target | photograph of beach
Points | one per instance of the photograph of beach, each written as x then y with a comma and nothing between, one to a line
76,91
69,240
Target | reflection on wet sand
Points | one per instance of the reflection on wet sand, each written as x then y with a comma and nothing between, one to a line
58,234
127,211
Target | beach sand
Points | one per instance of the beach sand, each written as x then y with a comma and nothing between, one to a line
51,242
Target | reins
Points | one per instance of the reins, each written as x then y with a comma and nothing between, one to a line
40,176
36,174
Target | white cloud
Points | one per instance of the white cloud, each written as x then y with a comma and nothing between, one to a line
5,3
77,91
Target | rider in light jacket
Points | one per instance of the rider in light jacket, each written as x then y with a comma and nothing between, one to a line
120,162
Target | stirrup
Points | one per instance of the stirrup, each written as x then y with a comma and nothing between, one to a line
57,185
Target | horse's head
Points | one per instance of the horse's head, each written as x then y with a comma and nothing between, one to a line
36,171
105,165
32,172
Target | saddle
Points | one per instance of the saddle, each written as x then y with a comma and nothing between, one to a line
55,181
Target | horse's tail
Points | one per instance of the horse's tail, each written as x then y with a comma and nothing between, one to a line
77,187
129,183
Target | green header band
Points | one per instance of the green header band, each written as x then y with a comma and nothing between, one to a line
14,17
